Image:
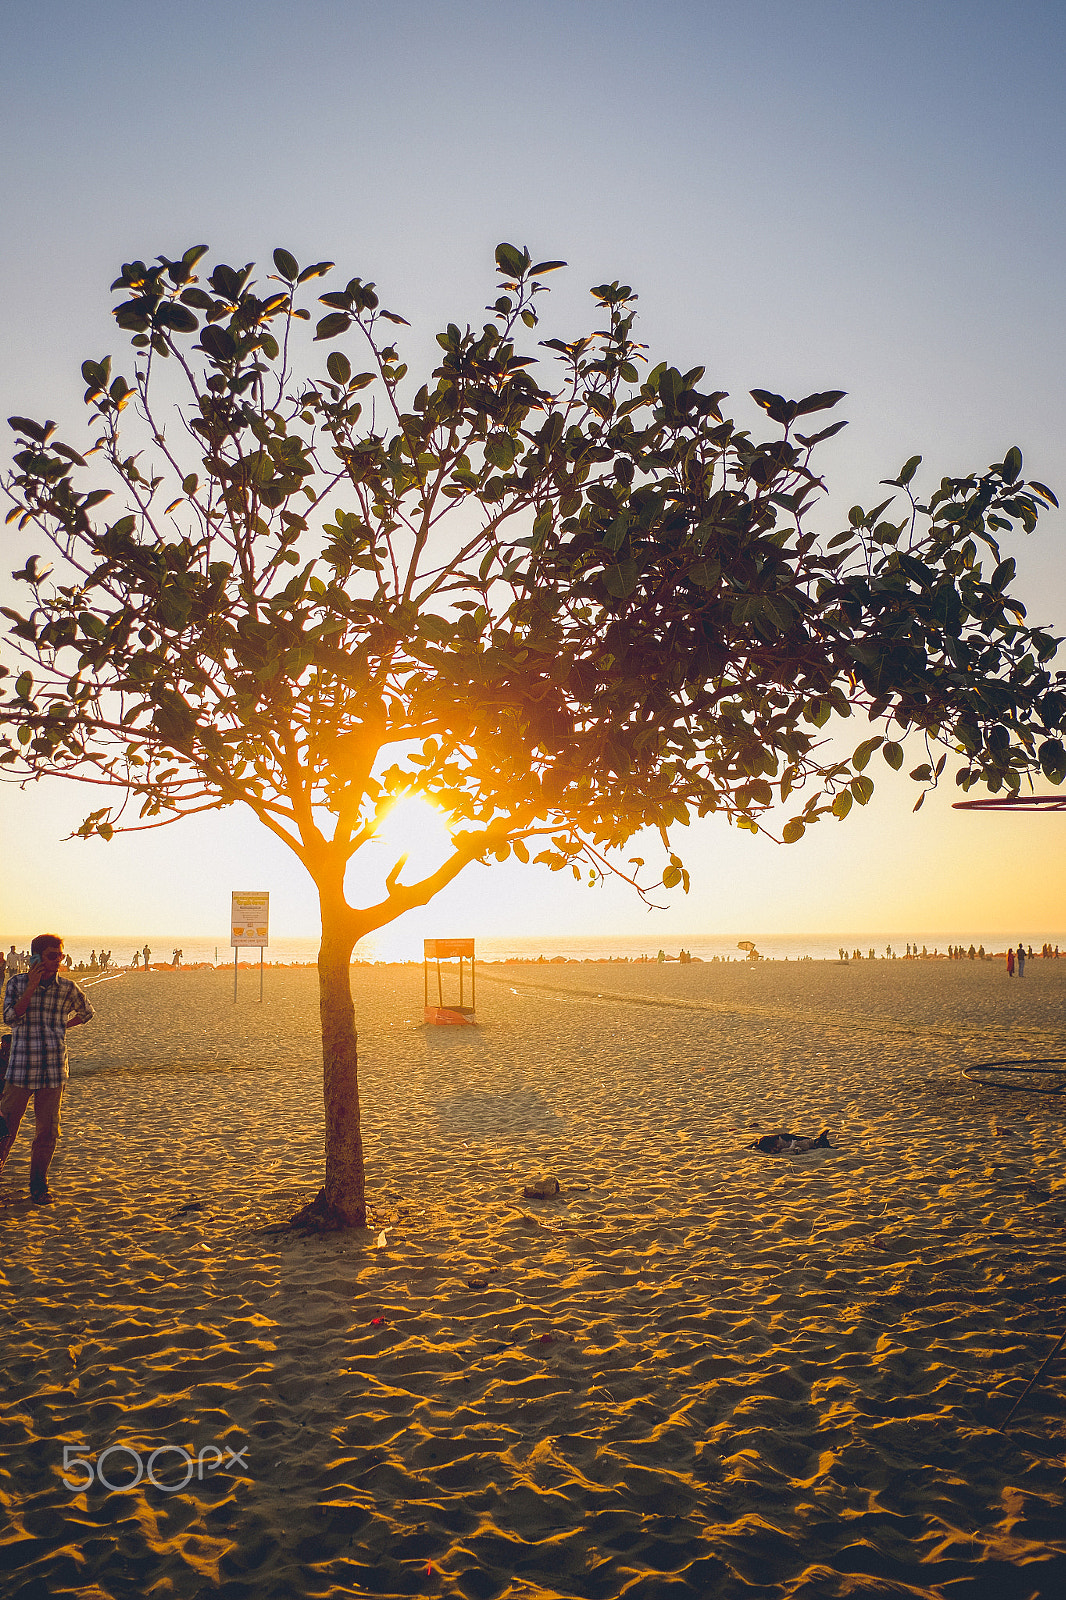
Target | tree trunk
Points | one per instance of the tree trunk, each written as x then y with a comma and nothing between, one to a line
341,1202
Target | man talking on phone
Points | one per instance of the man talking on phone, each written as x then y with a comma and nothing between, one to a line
39,1007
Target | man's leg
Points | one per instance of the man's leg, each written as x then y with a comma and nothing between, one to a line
13,1103
46,1104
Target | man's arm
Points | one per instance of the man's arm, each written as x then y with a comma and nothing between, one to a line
83,1012
14,1012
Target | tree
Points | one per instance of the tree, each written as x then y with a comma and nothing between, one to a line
559,592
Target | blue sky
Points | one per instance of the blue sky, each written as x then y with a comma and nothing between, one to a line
856,195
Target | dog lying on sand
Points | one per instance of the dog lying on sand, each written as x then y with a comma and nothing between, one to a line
790,1144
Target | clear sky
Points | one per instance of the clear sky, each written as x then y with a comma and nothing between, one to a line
840,194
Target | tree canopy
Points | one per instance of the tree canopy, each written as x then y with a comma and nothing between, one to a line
550,585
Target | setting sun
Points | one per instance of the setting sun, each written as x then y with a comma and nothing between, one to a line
417,829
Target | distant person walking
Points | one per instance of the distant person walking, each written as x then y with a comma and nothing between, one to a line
1021,959
39,1007
1010,962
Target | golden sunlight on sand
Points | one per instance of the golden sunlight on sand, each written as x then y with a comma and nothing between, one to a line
697,1371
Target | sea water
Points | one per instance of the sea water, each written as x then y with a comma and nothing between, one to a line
397,945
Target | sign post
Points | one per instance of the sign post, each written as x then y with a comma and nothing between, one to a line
249,926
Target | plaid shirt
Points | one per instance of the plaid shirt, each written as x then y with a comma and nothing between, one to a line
39,1038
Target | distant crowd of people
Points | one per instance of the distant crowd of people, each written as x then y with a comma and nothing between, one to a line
1016,959
144,956
99,961
19,961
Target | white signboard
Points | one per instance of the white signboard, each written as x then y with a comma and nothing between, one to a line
249,919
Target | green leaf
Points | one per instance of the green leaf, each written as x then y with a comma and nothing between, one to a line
319,270
132,316
500,451
622,579
862,788
511,261
542,526
23,685
862,755
33,429
872,516
616,533
329,327
705,573
338,366
842,804
669,386
671,877
1052,758
195,297
1012,464
893,754
819,402
218,343
793,830
780,613
811,439
287,265
777,408
908,469
178,317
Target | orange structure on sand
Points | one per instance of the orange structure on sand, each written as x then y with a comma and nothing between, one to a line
438,950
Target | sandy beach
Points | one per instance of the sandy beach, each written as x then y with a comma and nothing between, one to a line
697,1371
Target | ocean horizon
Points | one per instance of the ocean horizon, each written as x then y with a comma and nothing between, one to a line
396,945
